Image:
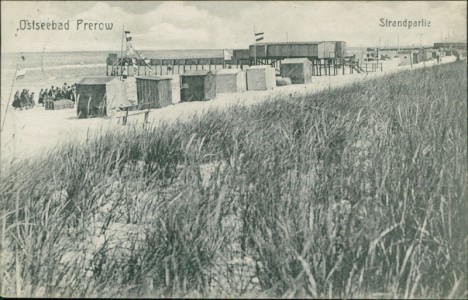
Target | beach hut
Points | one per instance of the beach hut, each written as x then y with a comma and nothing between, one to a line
100,96
426,55
417,57
230,81
299,70
197,85
154,92
260,78
405,57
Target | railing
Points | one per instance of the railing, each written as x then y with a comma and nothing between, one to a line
371,67
127,109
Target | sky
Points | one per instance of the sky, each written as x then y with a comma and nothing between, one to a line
227,24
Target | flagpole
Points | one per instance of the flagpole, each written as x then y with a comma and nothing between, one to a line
9,98
121,52
255,48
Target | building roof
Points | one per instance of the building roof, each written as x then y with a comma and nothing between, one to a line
259,67
196,73
293,43
228,71
96,80
294,61
157,78
449,44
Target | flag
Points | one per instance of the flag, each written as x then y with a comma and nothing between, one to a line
20,73
128,37
258,37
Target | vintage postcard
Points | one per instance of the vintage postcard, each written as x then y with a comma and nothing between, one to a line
225,149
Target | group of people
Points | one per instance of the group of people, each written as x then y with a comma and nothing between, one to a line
56,93
24,99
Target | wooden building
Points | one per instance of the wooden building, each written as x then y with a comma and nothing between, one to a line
405,57
448,45
168,62
241,58
197,85
299,70
154,92
316,50
261,78
426,54
100,96
324,55
231,81
417,57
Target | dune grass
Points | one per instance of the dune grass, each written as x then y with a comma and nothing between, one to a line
354,192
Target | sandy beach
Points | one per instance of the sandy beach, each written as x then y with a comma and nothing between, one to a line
29,133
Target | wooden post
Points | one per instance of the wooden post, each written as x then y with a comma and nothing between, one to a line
160,66
209,64
173,66
124,119
89,102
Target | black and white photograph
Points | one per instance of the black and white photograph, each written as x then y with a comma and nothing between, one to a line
234,149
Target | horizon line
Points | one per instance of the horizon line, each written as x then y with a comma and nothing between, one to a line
116,50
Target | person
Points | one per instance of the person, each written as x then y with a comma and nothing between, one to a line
17,100
73,93
45,97
24,99
64,91
31,100
40,100
51,92
58,94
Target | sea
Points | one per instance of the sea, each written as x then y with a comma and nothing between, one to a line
46,69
